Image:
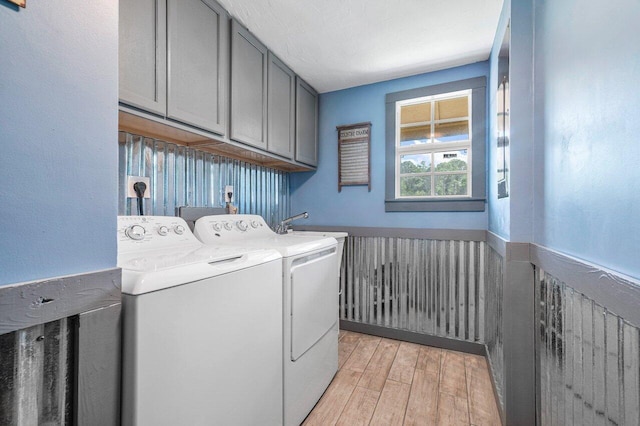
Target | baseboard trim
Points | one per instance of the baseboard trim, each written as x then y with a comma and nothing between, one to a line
413,337
494,387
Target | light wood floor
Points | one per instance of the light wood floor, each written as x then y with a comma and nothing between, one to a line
387,382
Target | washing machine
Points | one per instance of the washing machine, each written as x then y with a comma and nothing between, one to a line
202,328
310,314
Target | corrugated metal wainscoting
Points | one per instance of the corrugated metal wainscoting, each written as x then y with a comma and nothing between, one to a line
36,375
588,359
183,176
494,318
425,286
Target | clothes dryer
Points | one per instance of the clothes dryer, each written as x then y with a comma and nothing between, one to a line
310,314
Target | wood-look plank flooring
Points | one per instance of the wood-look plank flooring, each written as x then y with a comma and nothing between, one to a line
387,382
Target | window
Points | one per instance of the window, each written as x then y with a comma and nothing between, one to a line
436,147
433,146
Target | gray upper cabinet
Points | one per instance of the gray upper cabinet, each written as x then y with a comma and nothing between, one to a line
306,123
198,52
184,64
174,60
143,54
281,98
248,88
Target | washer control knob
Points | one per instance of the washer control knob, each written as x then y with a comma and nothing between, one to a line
254,224
178,229
216,227
135,232
163,230
242,225
228,226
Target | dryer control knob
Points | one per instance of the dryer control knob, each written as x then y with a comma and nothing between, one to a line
135,232
228,226
178,229
254,223
242,225
216,227
163,230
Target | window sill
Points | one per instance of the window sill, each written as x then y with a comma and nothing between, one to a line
446,205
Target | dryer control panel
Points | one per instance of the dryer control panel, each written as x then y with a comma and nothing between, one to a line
247,230
235,226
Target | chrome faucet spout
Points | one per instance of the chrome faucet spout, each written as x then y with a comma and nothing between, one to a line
284,224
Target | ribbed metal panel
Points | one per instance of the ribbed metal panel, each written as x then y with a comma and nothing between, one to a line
36,375
589,362
494,270
183,176
425,286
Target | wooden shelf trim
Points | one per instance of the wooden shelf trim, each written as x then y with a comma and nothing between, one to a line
158,128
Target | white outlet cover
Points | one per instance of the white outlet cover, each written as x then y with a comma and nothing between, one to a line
227,190
131,180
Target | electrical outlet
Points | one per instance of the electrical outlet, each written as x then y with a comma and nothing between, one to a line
228,189
131,180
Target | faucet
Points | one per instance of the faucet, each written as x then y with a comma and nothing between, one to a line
284,225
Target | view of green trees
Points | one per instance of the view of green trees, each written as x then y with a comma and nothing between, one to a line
420,186
415,186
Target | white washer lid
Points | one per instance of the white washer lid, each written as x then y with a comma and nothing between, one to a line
156,260
165,269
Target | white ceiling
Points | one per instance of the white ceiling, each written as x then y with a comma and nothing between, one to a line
335,44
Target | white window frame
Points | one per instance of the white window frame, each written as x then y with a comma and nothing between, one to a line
432,147
476,200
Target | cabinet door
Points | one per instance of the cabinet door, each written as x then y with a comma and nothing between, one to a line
197,55
281,100
306,123
248,88
143,54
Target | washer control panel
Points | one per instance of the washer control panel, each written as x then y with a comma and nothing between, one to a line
152,232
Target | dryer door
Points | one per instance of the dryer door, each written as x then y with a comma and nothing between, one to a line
314,299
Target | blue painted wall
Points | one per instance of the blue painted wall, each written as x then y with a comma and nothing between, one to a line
522,132
587,131
499,209
58,133
317,192
512,217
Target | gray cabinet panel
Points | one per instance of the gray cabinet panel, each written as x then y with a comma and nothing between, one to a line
281,108
197,58
142,54
306,123
248,88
